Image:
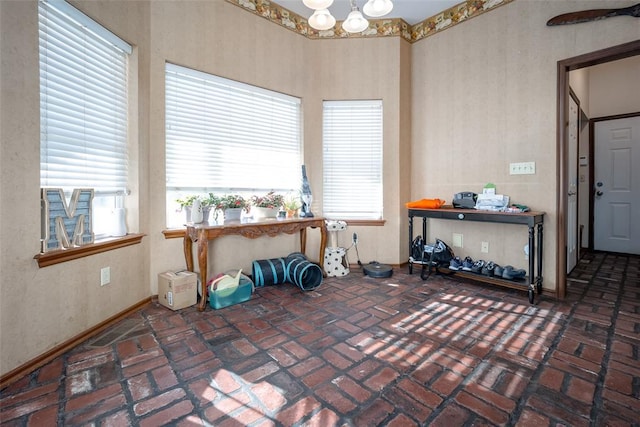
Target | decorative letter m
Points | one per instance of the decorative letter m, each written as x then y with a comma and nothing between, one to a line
60,220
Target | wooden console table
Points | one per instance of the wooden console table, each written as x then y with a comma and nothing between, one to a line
205,233
530,219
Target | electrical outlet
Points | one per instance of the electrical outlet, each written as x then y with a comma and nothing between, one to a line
484,248
525,168
456,240
105,276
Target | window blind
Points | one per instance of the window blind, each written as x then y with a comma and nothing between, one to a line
83,102
352,159
223,135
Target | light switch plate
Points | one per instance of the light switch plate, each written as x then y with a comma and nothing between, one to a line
523,168
105,276
457,240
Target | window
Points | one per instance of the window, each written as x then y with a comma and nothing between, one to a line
352,159
83,107
223,136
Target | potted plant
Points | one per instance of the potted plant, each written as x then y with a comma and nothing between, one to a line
230,204
291,205
266,206
231,201
187,202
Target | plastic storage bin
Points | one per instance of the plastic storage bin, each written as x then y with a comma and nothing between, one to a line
221,298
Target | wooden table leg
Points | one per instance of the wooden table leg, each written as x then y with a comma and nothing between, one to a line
303,240
188,254
203,254
323,244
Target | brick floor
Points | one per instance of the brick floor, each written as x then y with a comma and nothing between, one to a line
360,351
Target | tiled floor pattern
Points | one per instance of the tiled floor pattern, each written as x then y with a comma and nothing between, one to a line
361,352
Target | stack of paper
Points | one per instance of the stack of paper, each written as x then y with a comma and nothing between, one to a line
492,202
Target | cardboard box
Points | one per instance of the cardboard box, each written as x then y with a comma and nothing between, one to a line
177,290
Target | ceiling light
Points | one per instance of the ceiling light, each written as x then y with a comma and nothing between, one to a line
355,22
322,20
377,8
317,4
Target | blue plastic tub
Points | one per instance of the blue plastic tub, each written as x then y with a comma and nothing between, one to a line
227,297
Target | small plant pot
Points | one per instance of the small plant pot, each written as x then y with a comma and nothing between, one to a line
205,213
232,214
263,213
292,213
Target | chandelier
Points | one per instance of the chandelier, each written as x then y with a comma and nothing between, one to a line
321,19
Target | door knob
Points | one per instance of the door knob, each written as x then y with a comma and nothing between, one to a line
599,193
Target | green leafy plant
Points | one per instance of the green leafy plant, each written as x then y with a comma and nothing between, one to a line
270,200
292,203
229,201
186,201
211,200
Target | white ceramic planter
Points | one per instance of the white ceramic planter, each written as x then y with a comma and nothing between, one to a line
205,213
262,213
232,214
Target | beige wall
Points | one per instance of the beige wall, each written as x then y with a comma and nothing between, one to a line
222,39
41,308
369,69
212,36
614,88
484,95
459,106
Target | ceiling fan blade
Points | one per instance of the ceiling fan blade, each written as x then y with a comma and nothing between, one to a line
593,15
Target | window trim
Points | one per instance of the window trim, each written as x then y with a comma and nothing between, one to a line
346,116
69,136
57,256
46,259
226,122
91,25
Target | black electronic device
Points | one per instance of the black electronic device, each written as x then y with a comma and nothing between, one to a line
465,200
375,269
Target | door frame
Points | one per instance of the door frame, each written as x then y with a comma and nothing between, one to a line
613,53
576,167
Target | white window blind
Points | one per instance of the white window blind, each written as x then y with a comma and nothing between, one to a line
352,159
223,136
83,102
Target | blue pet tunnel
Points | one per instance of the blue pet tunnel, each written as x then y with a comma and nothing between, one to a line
303,273
295,269
269,272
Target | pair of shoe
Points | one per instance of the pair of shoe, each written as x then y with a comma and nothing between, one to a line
457,264
488,269
478,266
510,273
507,272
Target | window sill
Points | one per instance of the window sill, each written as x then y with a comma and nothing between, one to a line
368,222
174,233
59,256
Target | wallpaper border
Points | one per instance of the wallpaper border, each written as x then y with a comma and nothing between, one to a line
395,27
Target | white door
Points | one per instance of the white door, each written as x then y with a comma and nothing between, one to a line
572,191
617,186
